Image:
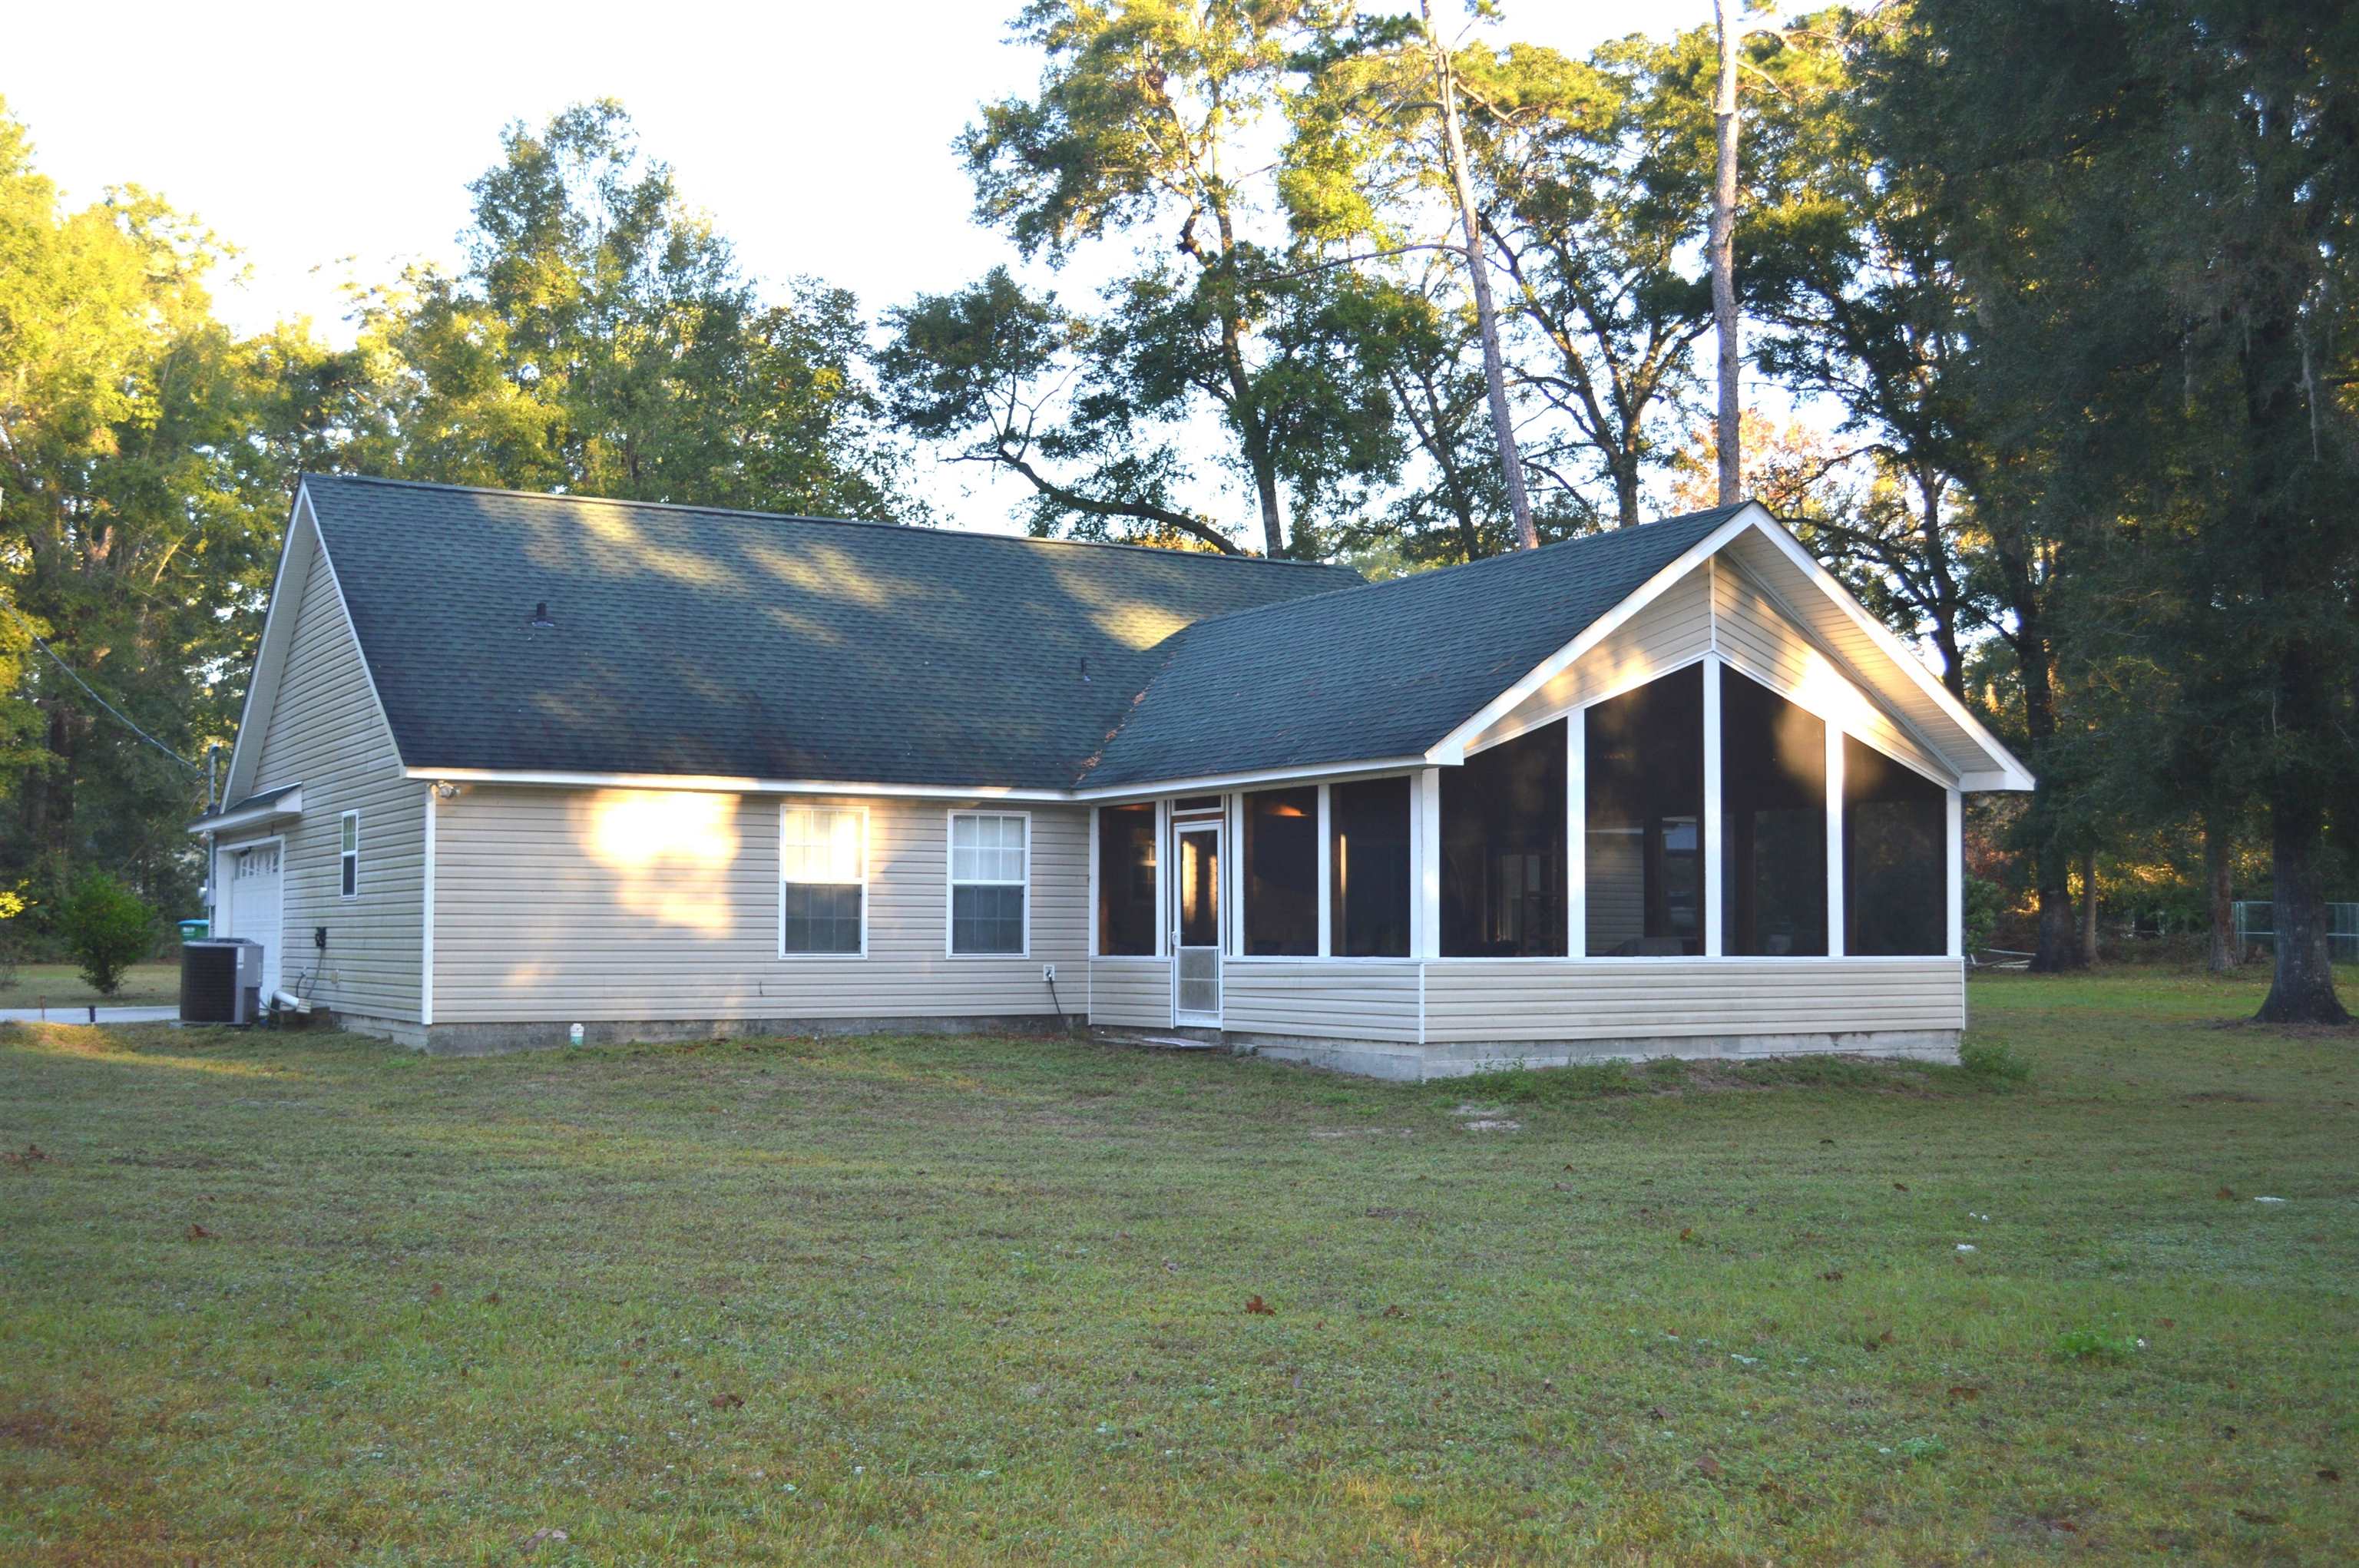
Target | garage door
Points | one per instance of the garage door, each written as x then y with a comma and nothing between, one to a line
254,905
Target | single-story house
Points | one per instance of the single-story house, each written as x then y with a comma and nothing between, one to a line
510,763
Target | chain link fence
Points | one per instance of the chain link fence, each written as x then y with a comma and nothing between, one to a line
2256,923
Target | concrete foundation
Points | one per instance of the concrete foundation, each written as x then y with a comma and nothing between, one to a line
1421,1063
495,1039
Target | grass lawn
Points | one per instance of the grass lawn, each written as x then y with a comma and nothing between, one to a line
144,986
298,1298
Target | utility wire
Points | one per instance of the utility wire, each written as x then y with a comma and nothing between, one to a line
94,697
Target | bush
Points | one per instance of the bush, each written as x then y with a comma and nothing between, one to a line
108,928
1993,1064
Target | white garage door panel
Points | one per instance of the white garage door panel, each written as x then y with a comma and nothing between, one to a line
255,883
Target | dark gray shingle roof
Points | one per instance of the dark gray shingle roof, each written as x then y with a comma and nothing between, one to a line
688,640
1378,671
746,645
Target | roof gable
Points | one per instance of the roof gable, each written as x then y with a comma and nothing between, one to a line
1385,671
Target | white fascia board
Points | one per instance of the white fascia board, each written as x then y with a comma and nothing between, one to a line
269,656
1326,772
1450,749
727,784
2010,772
286,807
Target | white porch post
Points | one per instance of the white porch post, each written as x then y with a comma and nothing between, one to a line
1326,878
1097,900
1576,833
1834,840
1162,888
1955,839
1710,846
1233,873
1425,851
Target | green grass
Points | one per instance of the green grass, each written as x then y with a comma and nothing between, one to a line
299,1299
61,984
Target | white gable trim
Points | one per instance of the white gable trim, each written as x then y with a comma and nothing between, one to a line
269,658
1450,749
2005,765
2005,772
262,688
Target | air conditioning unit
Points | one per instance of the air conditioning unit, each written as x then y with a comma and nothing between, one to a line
221,981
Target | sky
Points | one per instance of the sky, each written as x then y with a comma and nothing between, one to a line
329,142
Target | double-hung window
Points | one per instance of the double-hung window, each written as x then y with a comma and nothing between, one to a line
349,854
822,881
989,851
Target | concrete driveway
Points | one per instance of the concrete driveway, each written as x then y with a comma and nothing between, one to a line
83,1015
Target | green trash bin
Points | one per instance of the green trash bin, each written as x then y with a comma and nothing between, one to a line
194,930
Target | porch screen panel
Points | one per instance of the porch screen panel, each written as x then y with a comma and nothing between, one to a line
1503,850
1773,792
1896,864
1645,818
1367,829
1282,873
1126,880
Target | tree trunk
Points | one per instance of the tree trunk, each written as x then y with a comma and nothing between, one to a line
1944,583
1723,245
1625,488
2302,990
1478,277
2217,879
2088,906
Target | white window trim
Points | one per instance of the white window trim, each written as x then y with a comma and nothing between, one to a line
951,884
862,812
353,854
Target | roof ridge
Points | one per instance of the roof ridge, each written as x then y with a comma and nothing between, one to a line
306,477
1434,572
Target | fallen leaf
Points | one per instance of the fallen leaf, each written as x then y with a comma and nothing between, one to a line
2223,1192
1260,1308
2249,1517
1960,1391
436,1291
1831,1275
539,1537
1393,1312
1826,1140
1708,1464
727,1401
2330,1474
1686,1232
1657,1414
199,1232
1901,1186
493,1300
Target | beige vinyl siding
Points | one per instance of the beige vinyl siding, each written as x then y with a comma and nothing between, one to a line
324,732
1132,993
1674,627
1511,999
1759,638
616,905
1321,998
